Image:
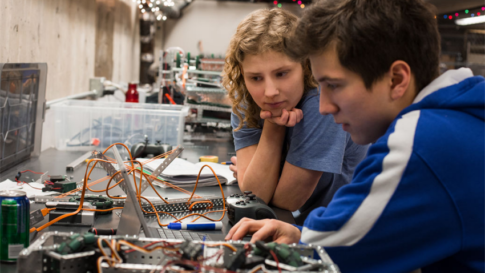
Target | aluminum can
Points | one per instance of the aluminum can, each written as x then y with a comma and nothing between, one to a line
14,224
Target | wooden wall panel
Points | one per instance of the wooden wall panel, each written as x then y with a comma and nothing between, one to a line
63,34
127,25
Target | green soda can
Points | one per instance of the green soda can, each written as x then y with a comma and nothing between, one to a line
14,224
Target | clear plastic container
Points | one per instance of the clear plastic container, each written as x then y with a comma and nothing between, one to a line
93,125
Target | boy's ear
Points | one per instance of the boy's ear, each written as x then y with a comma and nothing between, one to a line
401,79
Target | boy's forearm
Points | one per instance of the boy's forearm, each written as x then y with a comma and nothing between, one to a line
262,173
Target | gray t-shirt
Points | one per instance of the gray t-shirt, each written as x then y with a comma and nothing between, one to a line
315,143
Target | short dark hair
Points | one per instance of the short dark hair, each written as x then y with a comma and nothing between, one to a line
370,35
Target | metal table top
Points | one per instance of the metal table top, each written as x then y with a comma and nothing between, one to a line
55,162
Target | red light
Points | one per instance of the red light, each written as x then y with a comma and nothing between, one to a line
456,14
275,2
483,8
299,2
450,17
478,13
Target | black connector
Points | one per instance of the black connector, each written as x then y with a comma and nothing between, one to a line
190,250
236,261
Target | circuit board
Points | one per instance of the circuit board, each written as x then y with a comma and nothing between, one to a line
155,255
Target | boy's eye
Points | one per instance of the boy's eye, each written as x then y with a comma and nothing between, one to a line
257,78
330,86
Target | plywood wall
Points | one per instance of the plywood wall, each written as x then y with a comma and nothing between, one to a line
63,34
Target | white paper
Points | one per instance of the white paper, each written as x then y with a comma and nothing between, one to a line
31,192
183,173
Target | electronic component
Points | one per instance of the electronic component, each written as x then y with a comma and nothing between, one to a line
83,218
60,186
190,250
282,251
148,254
36,217
175,205
75,243
100,202
247,205
236,261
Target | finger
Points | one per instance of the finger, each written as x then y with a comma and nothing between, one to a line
265,232
234,228
265,114
284,117
299,115
235,175
234,160
246,226
233,168
291,120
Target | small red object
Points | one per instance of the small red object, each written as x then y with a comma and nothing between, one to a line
131,94
95,141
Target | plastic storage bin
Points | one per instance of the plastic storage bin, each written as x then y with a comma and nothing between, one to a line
90,125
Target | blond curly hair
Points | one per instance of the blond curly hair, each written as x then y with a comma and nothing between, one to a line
261,31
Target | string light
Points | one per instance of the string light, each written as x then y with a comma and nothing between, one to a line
164,18
456,14
302,6
451,17
466,11
299,2
478,13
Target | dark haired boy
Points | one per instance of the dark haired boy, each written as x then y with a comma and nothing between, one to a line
417,201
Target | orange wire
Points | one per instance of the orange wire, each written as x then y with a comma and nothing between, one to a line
200,202
133,170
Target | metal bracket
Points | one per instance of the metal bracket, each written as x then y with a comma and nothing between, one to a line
163,166
108,167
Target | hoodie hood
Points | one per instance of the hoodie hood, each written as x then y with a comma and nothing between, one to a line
455,90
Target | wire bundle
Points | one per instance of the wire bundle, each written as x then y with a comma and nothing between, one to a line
133,168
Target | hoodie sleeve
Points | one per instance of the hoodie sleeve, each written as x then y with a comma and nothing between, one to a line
395,216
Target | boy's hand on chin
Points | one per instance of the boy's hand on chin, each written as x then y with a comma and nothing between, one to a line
288,118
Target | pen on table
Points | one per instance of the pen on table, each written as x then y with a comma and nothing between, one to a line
226,163
196,226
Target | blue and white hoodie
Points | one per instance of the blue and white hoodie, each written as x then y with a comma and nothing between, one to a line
416,202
